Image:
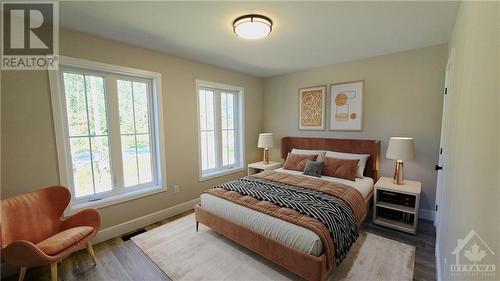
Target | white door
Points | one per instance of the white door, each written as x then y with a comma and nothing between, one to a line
441,165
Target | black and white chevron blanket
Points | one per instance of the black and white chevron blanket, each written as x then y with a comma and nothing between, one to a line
332,211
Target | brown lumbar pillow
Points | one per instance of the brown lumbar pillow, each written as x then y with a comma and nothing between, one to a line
297,162
340,168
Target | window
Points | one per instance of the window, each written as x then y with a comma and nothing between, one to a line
220,109
133,101
87,133
108,132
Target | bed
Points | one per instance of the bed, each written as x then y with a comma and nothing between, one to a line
296,248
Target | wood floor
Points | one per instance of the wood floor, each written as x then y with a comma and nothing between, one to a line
123,260
424,241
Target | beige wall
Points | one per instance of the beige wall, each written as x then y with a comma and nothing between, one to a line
28,145
402,97
471,193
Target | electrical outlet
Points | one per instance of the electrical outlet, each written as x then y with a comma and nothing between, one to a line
176,188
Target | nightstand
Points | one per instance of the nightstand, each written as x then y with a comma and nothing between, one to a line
396,206
258,167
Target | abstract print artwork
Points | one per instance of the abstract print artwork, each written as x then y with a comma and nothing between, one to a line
312,108
346,109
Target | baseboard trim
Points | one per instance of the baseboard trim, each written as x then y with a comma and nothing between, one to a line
128,226
426,214
122,228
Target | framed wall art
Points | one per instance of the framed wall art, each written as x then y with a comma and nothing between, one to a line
346,106
312,102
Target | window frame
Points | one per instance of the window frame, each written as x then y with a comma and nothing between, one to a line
119,193
152,134
240,130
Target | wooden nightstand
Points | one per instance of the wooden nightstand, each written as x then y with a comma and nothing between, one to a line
257,167
396,206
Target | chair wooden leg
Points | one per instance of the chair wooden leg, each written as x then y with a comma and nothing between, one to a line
53,271
91,253
22,273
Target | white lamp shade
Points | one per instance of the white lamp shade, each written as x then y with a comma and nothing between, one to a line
401,148
265,140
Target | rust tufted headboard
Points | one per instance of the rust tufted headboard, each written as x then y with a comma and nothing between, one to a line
371,147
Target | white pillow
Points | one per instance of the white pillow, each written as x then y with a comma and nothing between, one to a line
361,164
320,153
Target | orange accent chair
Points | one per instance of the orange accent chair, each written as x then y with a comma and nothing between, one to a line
33,232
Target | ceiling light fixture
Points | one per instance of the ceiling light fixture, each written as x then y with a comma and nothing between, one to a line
252,26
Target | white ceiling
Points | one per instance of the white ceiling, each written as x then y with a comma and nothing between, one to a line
305,34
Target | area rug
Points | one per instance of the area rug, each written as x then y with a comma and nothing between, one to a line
184,254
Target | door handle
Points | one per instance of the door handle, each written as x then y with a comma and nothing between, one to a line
437,167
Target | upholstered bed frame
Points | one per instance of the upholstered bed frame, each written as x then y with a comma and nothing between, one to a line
305,265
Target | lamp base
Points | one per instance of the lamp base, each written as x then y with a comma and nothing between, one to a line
266,155
399,172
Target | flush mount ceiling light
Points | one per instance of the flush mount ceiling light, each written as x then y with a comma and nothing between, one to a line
252,26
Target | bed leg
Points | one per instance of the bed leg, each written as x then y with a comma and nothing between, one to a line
197,224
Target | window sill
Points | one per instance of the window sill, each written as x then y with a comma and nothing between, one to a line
113,199
213,175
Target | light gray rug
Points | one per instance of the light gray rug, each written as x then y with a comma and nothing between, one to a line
184,254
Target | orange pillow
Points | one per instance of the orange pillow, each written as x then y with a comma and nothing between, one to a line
340,168
297,162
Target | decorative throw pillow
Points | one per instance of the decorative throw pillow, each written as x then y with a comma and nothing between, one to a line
363,158
297,162
340,168
313,168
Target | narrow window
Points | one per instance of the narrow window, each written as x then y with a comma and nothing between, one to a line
88,133
220,119
133,98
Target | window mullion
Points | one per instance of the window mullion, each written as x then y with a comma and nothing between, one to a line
236,129
218,128
135,132
225,131
67,149
88,130
152,136
114,132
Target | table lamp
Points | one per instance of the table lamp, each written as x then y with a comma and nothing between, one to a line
400,149
266,142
